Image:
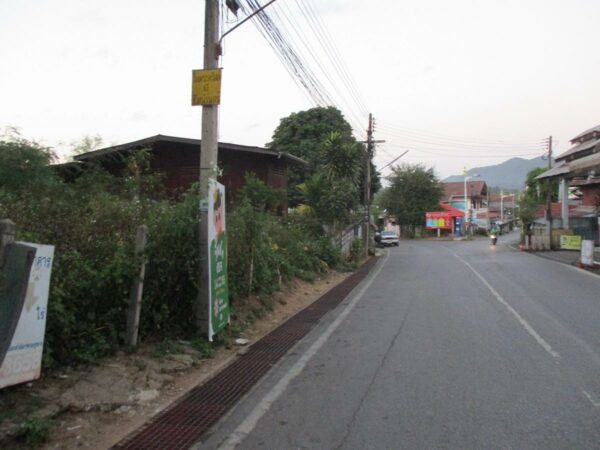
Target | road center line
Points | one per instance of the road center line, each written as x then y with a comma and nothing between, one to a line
590,398
521,320
246,427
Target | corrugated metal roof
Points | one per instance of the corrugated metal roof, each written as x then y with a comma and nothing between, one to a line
562,168
451,209
578,148
587,181
590,162
591,130
457,188
186,141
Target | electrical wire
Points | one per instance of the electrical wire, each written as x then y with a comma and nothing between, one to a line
316,66
282,30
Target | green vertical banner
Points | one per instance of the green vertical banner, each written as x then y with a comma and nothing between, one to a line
218,302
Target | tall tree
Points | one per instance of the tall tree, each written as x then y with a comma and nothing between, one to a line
414,189
332,193
306,134
303,133
536,191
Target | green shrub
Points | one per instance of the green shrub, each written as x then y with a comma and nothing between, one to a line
34,432
92,223
206,349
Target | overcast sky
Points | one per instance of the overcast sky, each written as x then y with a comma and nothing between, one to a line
460,83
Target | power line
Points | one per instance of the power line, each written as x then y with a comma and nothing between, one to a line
432,136
275,29
451,153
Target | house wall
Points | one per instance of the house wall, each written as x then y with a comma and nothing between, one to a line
180,166
589,195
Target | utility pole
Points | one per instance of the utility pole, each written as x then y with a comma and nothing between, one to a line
367,188
208,157
549,197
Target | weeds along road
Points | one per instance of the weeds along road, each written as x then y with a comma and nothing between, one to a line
444,345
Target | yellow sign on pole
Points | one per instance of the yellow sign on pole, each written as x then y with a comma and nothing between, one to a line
206,87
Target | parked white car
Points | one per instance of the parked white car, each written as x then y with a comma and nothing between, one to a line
389,238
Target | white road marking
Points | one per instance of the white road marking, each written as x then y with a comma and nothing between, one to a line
522,321
246,427
595,403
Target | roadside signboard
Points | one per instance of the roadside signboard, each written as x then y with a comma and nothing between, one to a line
218,302
23,360
457,226
206,87
570,242
438,220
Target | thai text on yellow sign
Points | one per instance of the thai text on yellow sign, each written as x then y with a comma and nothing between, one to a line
206,87
570,242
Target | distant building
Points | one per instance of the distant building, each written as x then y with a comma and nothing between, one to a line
476,200
578,172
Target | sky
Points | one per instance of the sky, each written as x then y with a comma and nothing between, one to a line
458,84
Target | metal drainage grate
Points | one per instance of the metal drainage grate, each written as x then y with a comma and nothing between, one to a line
183,423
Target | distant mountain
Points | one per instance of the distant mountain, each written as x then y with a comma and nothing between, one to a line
510,174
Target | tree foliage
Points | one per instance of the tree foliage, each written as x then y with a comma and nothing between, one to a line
24,165
303,133
536,191
414,190
322,137
332,194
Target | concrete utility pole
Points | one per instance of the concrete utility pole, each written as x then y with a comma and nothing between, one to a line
549,197
208,156
367,188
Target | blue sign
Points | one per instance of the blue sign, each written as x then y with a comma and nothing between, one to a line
457,225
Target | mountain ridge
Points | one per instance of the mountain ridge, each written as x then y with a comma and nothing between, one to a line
510,174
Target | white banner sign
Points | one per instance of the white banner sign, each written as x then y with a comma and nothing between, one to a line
23,361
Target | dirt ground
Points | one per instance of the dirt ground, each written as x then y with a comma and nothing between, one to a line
95,407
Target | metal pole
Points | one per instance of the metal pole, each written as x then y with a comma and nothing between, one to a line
208,157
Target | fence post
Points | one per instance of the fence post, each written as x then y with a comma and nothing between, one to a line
135,301
7,236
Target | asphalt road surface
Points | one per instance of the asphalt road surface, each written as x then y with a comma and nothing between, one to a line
456,345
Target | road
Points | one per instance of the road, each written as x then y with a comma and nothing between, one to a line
444,345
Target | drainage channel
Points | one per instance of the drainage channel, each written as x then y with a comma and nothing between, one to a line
183,423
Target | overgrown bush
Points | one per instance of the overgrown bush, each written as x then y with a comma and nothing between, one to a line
92,223
172,268
266,250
